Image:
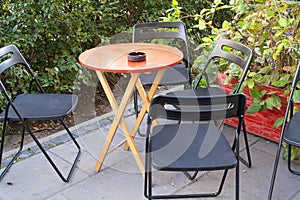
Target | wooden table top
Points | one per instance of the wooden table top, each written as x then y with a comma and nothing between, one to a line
113,58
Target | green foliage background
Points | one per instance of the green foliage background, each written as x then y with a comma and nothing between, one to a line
52,33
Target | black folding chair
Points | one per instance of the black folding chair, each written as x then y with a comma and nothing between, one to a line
192,145
290,132
233,52
27,107
170,33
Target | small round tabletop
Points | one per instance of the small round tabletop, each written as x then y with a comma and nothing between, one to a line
114,58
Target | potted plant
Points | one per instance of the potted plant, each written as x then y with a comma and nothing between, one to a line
271,28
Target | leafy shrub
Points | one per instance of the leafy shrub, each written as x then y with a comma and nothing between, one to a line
52,33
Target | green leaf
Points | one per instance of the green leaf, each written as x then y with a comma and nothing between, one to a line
279,33
269,103
257,77
272,102
293,154
278,51
206,40
201,25
217,2
280,83
265,70
282,21
254,108
174,3
263,106
278,122
296,96
274,75
285,154
250,83
276,101
255,93
225,24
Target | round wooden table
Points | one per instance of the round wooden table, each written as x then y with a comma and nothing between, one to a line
114,58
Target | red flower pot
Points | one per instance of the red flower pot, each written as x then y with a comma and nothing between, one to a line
260,123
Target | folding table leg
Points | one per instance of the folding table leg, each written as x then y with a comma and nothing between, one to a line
146,101
119,120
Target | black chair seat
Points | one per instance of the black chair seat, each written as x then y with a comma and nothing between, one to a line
184,140
292,131
42,106
206,92
192,148
173,75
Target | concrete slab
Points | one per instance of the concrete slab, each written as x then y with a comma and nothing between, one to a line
33,178
110,184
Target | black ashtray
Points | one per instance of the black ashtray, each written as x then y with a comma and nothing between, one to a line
136,56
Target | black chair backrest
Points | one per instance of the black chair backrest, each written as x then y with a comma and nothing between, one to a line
146,32
243,60
13,57
204,108
10,56
157,30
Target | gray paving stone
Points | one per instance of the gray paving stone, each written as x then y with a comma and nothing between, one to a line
57,197
109,184
25,154
82,131
33,178
104,122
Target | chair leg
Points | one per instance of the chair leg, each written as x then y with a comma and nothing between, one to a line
136,110
222,183
148,172
149,195
190,177
2,147
247,163
275,169
135,103
237,174
67,179
290,162
148,180
237,183
149,185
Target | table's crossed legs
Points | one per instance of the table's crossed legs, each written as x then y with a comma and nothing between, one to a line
119,112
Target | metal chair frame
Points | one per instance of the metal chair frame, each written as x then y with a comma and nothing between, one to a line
243,60
221,106
147,32
12,113
288,134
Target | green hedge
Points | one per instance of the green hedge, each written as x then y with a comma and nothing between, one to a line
52,33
